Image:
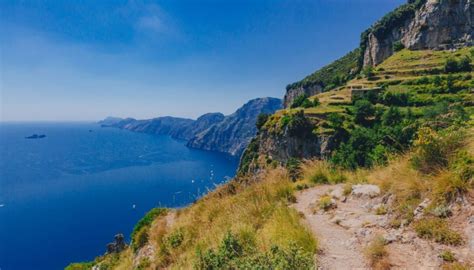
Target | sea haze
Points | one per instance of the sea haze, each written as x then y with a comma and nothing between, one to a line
64,197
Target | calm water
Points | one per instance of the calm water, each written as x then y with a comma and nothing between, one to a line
64,197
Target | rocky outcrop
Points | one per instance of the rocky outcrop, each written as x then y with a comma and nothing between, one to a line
429,24
235,131
212,131
281,147
293,93
118,245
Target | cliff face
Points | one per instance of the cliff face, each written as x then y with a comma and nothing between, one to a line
293,93
235,131
431,24
212,131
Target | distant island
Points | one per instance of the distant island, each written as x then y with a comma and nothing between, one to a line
36,136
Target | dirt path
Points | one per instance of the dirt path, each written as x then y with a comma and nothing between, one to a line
339,249
344,231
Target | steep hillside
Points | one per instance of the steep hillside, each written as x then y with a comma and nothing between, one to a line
420,24
235,131
212,131
417,25
383,106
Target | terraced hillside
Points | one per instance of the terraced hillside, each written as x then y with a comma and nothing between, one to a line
385,105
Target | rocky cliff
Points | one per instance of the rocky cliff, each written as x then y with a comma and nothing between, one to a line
427,24
212,131
235,131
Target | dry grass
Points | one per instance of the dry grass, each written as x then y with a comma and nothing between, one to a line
258,214
377,254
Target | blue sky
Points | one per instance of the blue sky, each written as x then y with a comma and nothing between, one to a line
88,59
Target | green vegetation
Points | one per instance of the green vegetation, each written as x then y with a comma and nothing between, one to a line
447,256
332,75
325,203
234,253
438,230
140,231
377,253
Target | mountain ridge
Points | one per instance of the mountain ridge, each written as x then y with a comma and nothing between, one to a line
211,131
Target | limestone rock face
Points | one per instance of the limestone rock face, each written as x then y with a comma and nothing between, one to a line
302,90
235,131
438,24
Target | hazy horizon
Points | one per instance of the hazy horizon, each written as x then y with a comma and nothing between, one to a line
65,61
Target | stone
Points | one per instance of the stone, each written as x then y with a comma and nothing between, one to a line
435,25
118,245
418,212
365,191
337,193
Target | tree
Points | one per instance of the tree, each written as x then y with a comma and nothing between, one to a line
298,101
451,65
261,120
398,46
363,110
391,117
465,64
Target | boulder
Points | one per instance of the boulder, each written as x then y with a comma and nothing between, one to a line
365,191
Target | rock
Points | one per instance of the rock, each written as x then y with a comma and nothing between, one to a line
234,132
365,191
418,212
434,25
118,245
393,236
302,90
337,193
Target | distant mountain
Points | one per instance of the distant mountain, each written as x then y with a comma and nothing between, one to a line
235,131
212,131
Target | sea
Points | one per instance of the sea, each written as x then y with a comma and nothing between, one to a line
65,196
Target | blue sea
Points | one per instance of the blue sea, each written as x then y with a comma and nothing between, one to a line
64,197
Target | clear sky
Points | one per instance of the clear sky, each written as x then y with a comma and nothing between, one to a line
88,59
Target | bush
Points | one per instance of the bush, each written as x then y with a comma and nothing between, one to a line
377,253
325,203
231,254
175,239
363,110
299,100
139,234
433,150
438,230
319,177
293,168
398,46
261,120
447,256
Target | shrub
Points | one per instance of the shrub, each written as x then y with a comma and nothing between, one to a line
377,253
433,150
451,65
363,110
261,120
381,210
293,168
447,256
325,203
438,230
175,239
231,254
319,177
299,100
140,231
398,46
347,189
464,64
